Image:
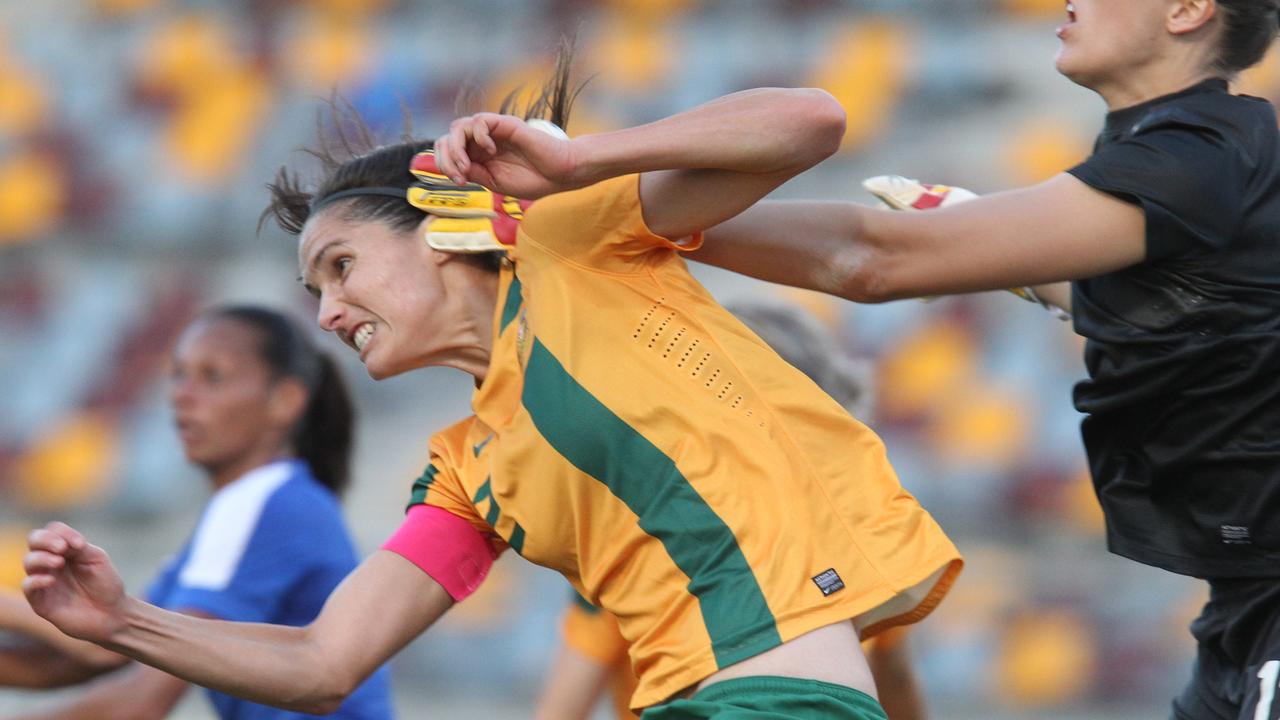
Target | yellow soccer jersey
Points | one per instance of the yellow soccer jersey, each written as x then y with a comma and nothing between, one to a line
594,633
636,437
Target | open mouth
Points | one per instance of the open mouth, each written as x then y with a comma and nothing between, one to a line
361,336
1071,12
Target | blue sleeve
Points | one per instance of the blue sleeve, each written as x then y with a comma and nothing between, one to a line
161,586
251,579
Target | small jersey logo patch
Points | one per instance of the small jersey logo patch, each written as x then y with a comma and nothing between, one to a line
828,581
1236,535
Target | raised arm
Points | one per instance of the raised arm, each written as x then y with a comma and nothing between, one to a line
380,607
1058,230
699,167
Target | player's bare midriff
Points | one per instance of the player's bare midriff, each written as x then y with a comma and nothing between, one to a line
830,654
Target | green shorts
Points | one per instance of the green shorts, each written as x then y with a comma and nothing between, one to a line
771,698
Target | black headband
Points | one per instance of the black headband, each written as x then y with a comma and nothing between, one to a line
383,190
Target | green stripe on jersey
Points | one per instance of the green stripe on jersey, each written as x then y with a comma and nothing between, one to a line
421,485
602,445
485,492
515,296
583,603
517,539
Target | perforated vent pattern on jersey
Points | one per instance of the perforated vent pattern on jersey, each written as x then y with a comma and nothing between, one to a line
660,331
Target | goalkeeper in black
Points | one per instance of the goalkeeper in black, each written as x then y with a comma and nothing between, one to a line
1169,234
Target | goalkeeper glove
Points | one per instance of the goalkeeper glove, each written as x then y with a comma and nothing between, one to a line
468,218
900,193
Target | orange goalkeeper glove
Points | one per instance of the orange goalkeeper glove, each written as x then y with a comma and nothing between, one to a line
468,218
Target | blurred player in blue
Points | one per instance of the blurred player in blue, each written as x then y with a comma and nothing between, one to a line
268,418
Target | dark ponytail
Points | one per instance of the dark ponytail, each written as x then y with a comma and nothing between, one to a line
324,434
1248,29
322,437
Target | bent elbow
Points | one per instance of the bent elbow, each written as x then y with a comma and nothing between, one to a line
816,121
325,705
316,688
827,123
327,697
321,701
808,123
859,269
866,285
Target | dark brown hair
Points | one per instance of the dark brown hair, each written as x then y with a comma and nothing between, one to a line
1248,29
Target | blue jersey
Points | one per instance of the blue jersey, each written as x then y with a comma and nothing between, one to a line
269,548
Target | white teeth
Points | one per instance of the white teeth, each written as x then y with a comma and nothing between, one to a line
363,333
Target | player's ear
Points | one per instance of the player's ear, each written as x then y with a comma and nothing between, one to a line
1187,16
287,402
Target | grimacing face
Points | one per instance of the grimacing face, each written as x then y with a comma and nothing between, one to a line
220,392
380,291
1105,39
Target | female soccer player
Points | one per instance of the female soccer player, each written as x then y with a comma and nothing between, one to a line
628,432
267,417
1170,233
593,658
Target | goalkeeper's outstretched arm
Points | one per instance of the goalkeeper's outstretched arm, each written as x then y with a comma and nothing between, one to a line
1058,230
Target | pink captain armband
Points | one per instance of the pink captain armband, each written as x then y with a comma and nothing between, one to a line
444,546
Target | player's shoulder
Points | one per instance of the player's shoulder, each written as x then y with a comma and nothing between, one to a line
451,441
300,501
583,208
1229,121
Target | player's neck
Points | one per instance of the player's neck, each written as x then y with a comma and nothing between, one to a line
1135,88
227,473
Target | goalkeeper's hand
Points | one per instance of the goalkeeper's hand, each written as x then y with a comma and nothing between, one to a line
900,193
469,218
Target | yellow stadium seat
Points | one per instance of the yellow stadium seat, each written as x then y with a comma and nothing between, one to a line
636,50
1036,8
1263,79
13,547
1047,658
982,423
523,80
33,190
73,463
181,56
661,10
24,104
349,9
925,369
865,69
328,52
112,8
1043,148
1079,504
210,132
